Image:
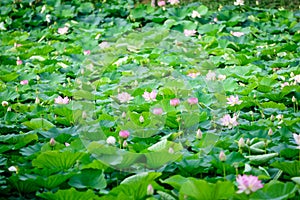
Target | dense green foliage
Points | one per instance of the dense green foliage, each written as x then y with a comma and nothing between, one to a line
103,58
290,5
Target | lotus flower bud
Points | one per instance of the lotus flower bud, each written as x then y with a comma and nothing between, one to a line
37,100
19,62
150,190
13,169
171,150
241,143
270,132
84,115
141,119
222,156
125,144
193,100
52,142
199,134
111,140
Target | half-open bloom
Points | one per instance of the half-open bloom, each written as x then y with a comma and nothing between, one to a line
63,30
24,82
239,3
211,76
237,34
226,120
161,3
60,100
124,97
150,96
173,2
189,32
157,111
233,100
124,134
174,102
195,14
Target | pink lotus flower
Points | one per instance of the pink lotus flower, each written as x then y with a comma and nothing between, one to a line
237,34
233,121
195,14
60,100
239,3
174,102
226,120
248,184
221,77
67,144
233,100
157,111
150,96
161,3
124,134
173,2
19,62
124,97
63,30
104,45
284,84
210,76
193,74
17,45
189,32
86,52
193,100
297,139
296,78
279,117
24,82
